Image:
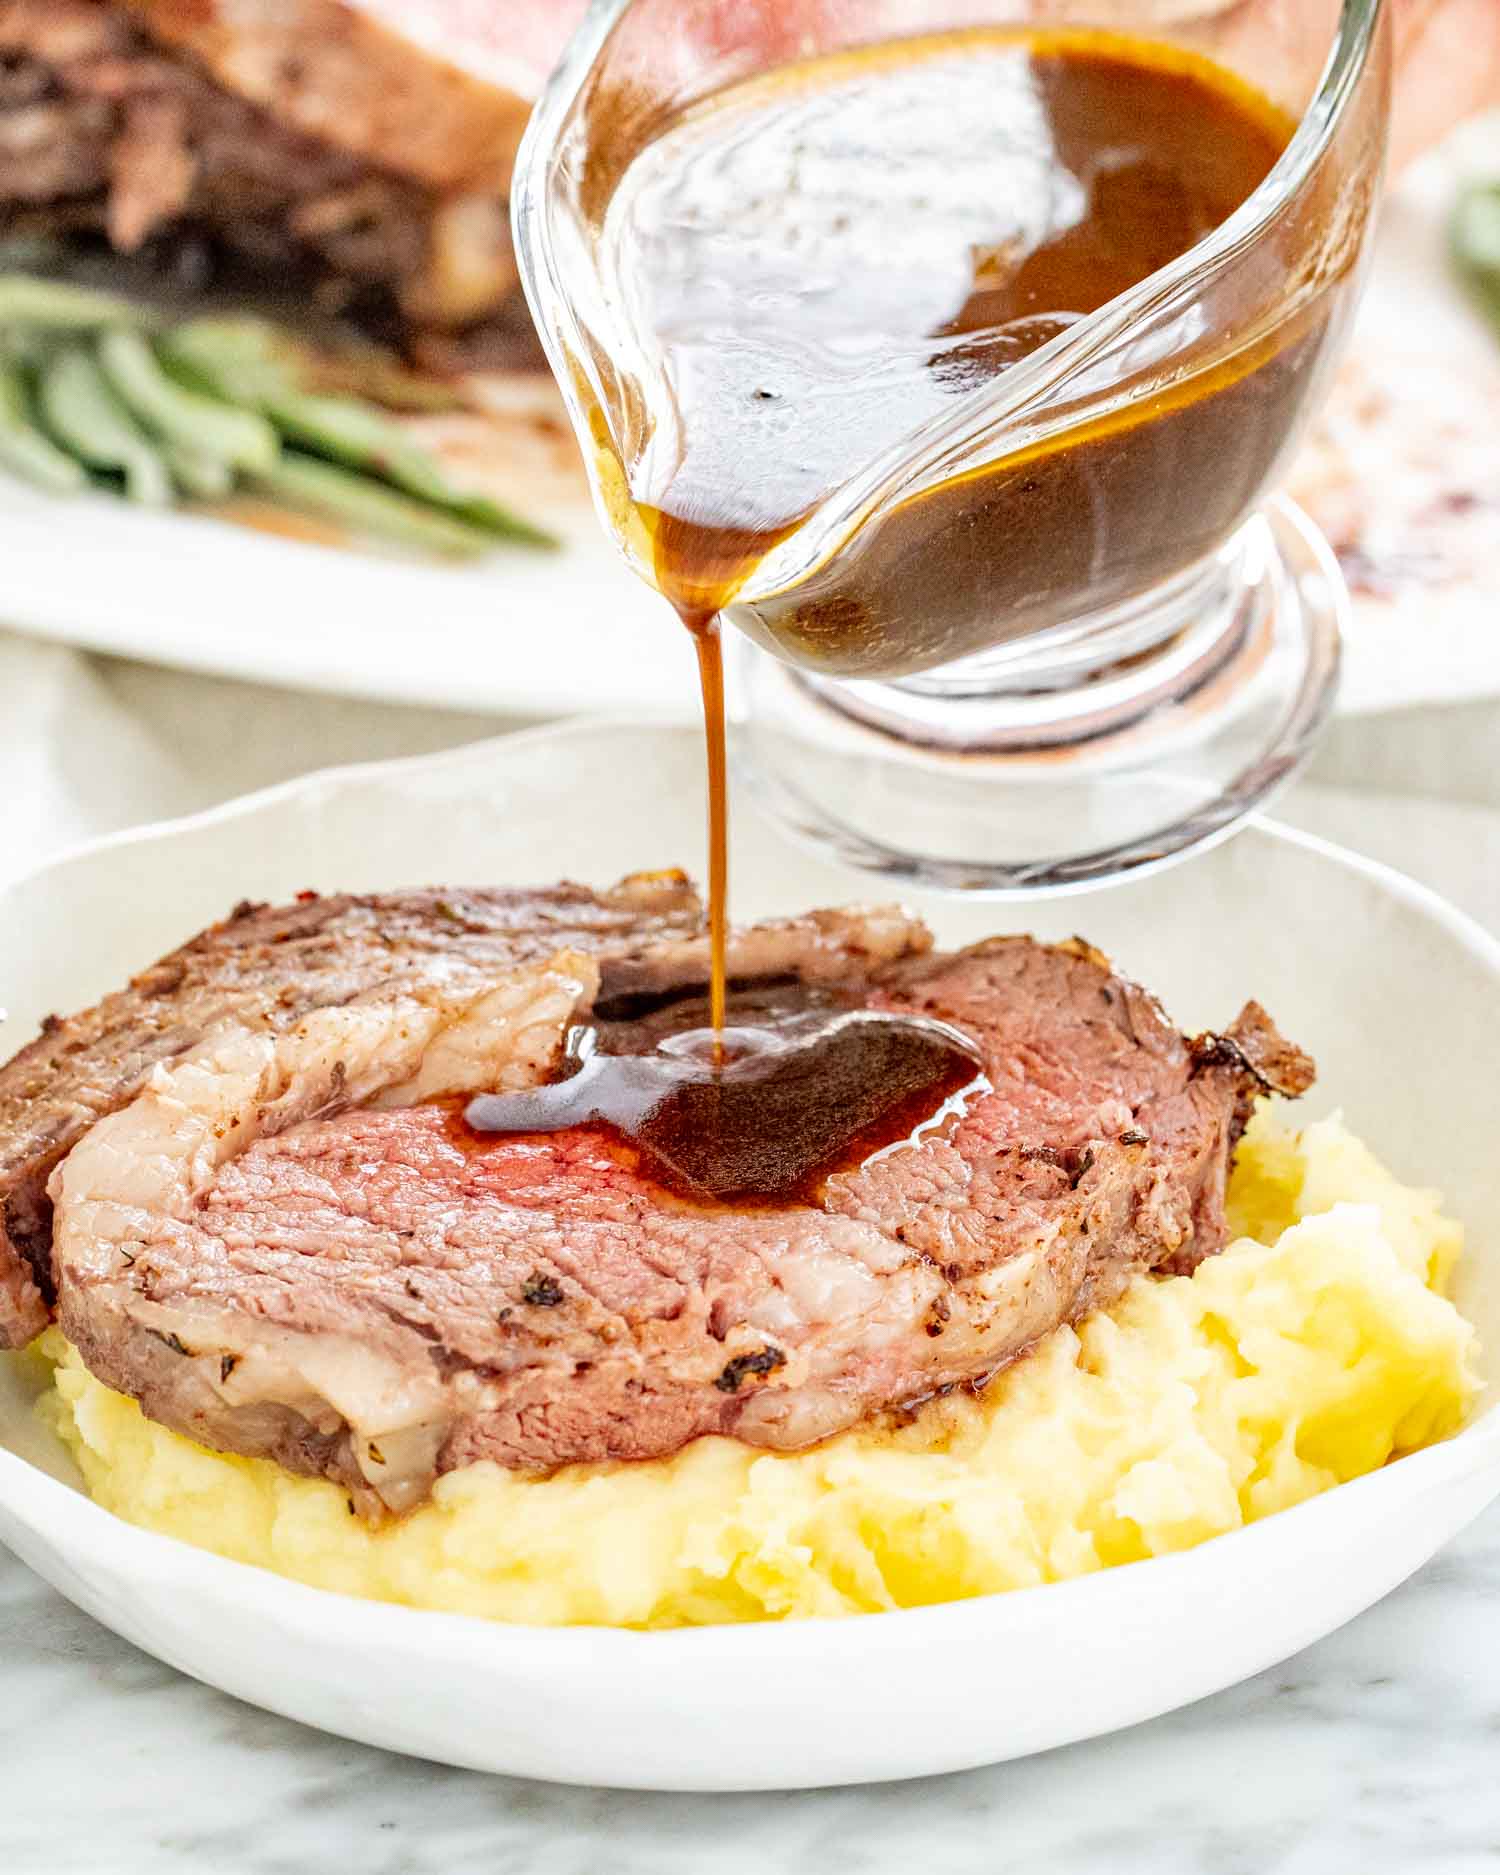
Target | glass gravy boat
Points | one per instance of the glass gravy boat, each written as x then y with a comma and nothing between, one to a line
1136,614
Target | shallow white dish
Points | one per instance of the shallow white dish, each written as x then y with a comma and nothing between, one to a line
539,634
1396,993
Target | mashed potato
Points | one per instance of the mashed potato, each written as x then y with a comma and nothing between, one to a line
1319,1345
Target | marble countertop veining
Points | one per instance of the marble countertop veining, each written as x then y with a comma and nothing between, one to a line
1372,1753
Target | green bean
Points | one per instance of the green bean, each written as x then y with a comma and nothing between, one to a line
234,359
503,523
368,507
1475,238
247,359
195,403
79,408
241,361
358,437
362,438
200,476
237,437
342,430
27,301
25,450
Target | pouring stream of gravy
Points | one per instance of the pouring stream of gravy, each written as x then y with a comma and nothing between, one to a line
817,262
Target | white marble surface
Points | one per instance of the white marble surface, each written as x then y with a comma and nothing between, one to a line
1370,1754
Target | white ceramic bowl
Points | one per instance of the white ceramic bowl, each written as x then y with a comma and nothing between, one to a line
1397,995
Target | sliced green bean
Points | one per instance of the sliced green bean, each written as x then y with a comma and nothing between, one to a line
26,300
199,402
244,362
246,359
1476,244
200,476
83,415
237,360
503,523
342,430
369,507
239,437
361,438
27,451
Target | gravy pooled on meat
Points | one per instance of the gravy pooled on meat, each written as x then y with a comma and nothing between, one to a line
800,1086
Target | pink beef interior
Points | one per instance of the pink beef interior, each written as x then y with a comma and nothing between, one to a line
576,1311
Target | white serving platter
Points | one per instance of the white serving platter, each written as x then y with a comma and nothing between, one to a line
1397,995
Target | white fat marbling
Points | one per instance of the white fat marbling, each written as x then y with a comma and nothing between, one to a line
1371,1754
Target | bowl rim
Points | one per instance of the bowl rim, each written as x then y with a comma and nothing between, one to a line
68,1520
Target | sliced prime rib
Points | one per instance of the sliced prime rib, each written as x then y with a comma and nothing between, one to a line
265,969
286,1245
375,145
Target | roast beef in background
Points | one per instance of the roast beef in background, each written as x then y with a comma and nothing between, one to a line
282,1245
371,144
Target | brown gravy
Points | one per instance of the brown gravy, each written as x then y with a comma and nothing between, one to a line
826,258
795,1087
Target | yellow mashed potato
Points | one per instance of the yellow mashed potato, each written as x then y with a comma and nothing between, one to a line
1319,1345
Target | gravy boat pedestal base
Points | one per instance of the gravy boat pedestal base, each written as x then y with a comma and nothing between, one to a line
1116,746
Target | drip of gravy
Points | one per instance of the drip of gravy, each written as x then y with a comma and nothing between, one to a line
709,643
796,1087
